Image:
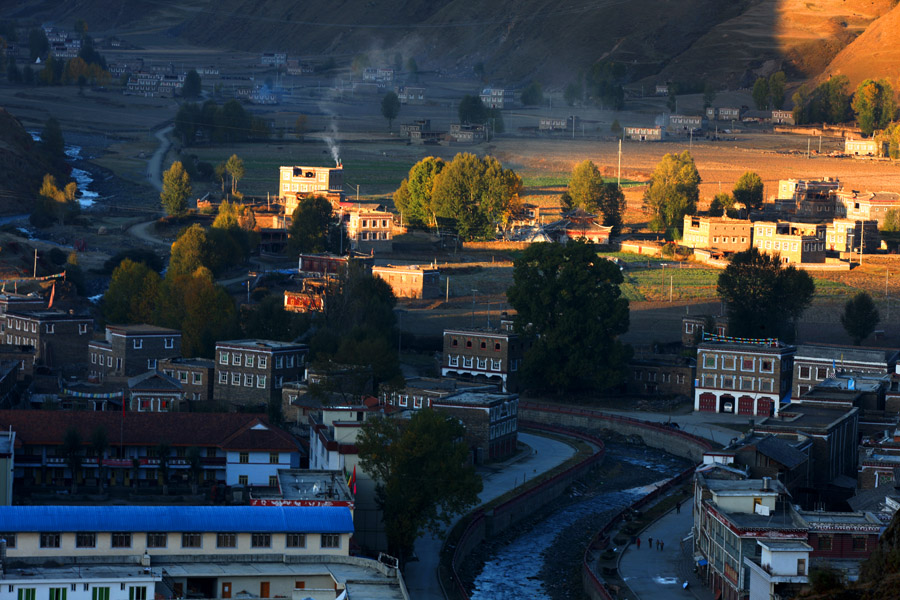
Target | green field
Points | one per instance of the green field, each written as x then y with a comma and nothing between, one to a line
685,284
560,180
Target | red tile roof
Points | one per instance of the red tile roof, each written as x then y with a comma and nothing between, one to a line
229,431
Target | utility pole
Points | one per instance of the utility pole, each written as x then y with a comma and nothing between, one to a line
820,143
670,288
807,148
34,273
447,298
474,291
887,298
619,171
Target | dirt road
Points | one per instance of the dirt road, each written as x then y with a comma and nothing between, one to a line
154,166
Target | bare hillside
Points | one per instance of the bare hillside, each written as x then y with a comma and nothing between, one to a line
874,54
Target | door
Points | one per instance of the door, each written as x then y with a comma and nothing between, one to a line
745,405
264,589
226,589
707,402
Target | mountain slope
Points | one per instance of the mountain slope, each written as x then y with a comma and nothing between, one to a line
874,54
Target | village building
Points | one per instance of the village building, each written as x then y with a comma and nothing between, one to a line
309,298
724,113
767,455
21,302
662,89
60,339
130,350
465,133
493,97
326,264
694,326
849,235
273,59
251,373
742,376
783,117
814,363
299,182
684,124
717,233
154,391
409,94
195,376
483,356
870,206
411,281
868,147
644,134
807,198
370,230
558,123
660,375
792,242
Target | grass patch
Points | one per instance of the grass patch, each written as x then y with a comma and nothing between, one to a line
826,288
686,284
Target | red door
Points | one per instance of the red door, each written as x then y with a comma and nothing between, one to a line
707,402
764,407
745,405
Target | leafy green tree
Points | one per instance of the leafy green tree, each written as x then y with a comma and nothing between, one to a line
612,206
233,122
472,110
829,102
721,203
603,83
132,295
235,167
190,251
478,193
763,299
776,89
422,474
749,190
616,128
187,121
533,94
71,450
176,190
415,203
74,273
58,204
570,311
390,107
891,221
673,192
761,93
860,317
412,67
202,310
874,105
314,228
269,321
81,27
709,95
672,99
585,185
193,85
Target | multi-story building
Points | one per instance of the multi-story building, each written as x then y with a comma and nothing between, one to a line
234,448
466,133
792,242
724,113
741,376
411,281
483,355
660,375
807,198
848,235
7,466
296,183
196,377
781,571
154,392
717,233
814,363
409,94
783,117
371,230
869,206
60,339
326,265
11,302
130,350
252,372
644,134
766,455
684,124
694,326
273,59
493,97
869,147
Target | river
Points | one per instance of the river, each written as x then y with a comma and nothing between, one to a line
86,196
514,570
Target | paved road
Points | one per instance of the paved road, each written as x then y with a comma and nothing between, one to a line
546,453
652,573
699,424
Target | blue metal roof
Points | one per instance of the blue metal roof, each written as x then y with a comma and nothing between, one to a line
264,519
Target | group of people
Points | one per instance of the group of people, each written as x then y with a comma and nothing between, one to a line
660,545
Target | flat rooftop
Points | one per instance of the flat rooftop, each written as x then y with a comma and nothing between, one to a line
300,484
259,344
785,546
476,398
844,354
80,572
741,487
799,416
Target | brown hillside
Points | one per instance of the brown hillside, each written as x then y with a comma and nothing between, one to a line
874,54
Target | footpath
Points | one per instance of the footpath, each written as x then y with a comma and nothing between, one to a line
546,453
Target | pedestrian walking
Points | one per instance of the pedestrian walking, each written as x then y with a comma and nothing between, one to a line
657,544
650,542
662,546
678,507
638,543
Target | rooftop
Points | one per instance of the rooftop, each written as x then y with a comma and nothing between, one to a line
785,545
475,399
87,572
300,484
744,487
142,329
799,416
845,354
47,315
260,345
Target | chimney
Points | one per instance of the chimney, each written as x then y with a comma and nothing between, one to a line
766,483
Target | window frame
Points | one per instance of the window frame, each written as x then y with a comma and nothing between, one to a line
50,539
155,537
333,541
260,539
85,539
295,540
191,539
117,539
223,537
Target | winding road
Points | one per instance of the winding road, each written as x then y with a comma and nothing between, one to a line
154,176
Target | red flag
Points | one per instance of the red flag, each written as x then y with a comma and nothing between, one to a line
52,295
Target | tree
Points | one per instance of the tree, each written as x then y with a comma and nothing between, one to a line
763,299
776,89
672,100
874,105
585,185
749,190
38,44
58,204
612,206
673,192
422,474
412,67
616,128
314,227
472,110
235,168
414,197
860,317
573,93
71,449
187,121
269,321
52,143
202,310
193,85
300,126
709,95
176,190
761,93
390,107
478,193
721,203
190,251
569,308
132,295
891,221
533,94
99,444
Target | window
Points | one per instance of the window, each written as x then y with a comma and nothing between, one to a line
330,540
82,328
136,592
236,359
825,542
26,593
273,481
728,363
767,365
235,379
100,593
10,539
467,362
765,384
244,458
279,362
109,361
138,343
801,566
482,363
197,378
454,342
260,381
151,364
261,540
274,458
49,540
58,593
483,345
454,361
85,540
263,362
223,358
295,540
157,540
48,328
728,382
747,364
821,373
223,377
495,365
170,343
249,360
279,381
248,380
468,343
709,361
243,480
747,383
805,372
191,540
121,539
709,380
417,402
859,542
226,540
